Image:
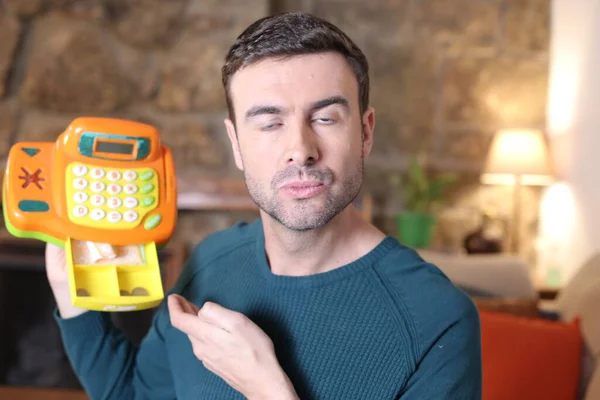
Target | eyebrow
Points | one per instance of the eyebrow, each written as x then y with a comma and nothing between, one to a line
328,102
260,110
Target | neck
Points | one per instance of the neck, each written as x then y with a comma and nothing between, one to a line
344,239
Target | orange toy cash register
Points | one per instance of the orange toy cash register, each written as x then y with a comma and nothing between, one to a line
104,180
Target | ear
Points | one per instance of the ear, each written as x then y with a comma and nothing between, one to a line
368,126
235,145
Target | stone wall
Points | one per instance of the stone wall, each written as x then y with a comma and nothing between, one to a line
445,76
154,61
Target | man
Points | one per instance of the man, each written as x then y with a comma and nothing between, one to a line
310,301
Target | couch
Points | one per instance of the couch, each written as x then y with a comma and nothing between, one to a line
553,345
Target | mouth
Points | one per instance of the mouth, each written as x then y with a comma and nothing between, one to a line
303,189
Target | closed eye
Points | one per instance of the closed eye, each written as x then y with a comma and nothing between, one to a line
325,121
270,127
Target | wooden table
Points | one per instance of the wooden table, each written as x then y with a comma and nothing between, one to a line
16,393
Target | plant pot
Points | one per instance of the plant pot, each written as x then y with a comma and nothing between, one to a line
415,229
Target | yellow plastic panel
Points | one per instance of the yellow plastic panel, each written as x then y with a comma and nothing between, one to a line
96,281
116,287
138,284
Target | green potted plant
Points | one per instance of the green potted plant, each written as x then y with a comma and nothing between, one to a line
421,195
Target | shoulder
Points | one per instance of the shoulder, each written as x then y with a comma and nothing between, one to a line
229,242
426,297
421,285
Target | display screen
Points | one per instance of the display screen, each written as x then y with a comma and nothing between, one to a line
112,147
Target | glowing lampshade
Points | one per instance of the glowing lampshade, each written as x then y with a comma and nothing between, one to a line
518,154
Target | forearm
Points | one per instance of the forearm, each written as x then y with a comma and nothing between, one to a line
109,366
101,357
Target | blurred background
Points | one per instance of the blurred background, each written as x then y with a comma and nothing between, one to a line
446,76
485,141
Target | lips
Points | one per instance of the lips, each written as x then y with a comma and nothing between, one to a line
303,189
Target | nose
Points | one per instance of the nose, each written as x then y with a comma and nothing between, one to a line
303,147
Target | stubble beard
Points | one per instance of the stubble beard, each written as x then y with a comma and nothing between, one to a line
311,213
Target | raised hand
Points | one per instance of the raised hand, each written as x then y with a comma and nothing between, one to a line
232,346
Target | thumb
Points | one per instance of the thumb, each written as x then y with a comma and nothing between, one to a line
56,260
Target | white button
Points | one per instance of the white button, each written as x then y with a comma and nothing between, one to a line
114,202
130,202
80,170
80,211
80,183
97,173
114,176
130,216
98,187
97,214
130,188
97,200
114,216
80,197
113,188
129,176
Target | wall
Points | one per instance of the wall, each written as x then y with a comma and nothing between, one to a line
570,227
445,76
157,61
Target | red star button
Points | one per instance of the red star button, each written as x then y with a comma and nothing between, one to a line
30,178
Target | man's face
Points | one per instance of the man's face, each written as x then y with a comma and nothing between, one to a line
300,138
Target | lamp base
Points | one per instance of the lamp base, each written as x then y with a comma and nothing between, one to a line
515,223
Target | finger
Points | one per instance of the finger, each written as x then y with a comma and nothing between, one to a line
213,335
174,304
221,317
186,306
175,307
50,247
55,255
193,308
180,319
185,322
184,317
210,335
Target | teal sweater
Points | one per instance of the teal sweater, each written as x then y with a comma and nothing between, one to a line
386,326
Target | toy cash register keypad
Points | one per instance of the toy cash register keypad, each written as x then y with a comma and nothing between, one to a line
113,198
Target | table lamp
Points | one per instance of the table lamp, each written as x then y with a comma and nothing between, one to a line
517,157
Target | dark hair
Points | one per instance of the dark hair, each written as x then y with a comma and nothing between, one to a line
290,34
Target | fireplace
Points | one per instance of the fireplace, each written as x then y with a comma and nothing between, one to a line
31,351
